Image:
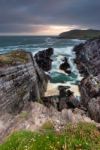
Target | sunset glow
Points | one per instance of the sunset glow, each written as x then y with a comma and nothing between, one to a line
54,29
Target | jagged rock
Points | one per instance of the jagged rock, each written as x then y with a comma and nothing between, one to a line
88,62
43,59
21,80
65,66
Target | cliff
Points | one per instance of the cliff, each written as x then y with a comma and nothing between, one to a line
88,63
80,34
21,80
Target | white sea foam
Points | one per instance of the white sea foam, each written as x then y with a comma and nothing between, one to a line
62,48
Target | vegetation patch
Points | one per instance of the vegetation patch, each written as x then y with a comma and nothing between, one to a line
24,115
48,125
14,58
84,136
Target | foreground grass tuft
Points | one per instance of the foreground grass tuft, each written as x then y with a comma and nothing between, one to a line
84,136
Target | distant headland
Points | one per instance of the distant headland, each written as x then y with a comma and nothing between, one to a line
80,34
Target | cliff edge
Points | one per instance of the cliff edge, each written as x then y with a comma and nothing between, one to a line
88,63
21,80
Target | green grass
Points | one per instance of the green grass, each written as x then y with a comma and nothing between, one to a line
81,137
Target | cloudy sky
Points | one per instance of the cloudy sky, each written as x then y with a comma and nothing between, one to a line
47,17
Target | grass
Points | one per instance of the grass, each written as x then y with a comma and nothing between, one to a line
48,125
13,57
84,136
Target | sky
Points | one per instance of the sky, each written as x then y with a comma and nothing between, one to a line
47,17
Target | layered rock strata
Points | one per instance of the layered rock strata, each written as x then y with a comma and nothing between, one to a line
21,80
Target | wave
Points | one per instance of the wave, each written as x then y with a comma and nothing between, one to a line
78,40
62,48
50,41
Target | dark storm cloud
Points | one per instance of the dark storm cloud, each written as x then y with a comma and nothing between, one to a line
31,15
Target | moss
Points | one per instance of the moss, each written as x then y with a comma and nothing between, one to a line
84,136
24,115
48,125
13,58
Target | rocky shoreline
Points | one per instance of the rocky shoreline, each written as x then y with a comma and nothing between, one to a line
23,83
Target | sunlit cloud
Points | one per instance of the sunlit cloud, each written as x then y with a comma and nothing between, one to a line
47,17
53,29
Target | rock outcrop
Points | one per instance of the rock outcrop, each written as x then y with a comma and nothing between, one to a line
88,62
43,59
65,66
65,99
21,80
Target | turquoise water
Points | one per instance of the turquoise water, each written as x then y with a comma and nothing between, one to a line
62,48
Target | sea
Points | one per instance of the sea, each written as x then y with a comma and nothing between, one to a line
62,48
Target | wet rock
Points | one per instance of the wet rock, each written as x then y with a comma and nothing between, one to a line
65,66
67,98
62,90
72,100
43,59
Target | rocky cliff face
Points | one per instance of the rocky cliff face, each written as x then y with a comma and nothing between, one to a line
21,80
88,62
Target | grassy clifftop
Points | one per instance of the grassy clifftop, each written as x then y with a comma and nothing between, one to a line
13,58
84,136
80,34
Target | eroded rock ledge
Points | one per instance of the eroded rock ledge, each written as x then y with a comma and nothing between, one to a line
88,63
21,80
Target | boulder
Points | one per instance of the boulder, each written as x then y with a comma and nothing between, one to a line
43,59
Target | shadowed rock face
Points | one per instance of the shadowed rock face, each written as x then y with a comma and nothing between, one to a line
65,66
21,80
88,63
43,59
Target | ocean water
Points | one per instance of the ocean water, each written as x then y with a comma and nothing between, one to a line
62,48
